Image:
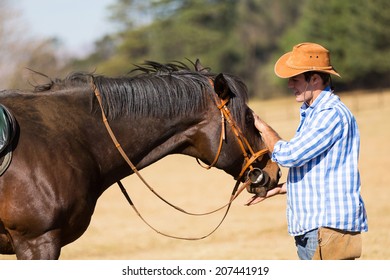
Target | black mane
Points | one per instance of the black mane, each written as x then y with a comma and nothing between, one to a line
164,91
154,89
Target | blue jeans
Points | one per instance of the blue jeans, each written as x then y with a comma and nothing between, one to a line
307,244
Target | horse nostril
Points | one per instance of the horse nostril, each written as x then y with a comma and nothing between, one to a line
258,177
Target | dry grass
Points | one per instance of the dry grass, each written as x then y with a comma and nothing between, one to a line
256,232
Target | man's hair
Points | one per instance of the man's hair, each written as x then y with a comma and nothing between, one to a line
324,76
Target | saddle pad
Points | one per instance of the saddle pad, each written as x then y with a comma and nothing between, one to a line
5,129
7,133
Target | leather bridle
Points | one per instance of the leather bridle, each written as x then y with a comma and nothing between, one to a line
243,142
241,139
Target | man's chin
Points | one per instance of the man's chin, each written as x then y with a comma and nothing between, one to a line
298,98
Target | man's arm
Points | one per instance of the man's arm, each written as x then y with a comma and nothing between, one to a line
269,135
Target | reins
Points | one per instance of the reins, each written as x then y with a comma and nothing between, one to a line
235,193
225,116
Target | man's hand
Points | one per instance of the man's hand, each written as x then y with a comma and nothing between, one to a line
280,189
269,135
259,123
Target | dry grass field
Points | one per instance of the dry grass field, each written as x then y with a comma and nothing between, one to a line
256,232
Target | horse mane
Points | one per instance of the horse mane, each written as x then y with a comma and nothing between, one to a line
154,89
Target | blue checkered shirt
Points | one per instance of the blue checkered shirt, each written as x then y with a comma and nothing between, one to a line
323,184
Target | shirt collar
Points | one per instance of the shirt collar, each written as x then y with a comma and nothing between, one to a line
321,96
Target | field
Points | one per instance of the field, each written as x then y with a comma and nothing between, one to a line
256,232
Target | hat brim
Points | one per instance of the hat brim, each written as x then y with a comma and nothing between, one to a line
283,71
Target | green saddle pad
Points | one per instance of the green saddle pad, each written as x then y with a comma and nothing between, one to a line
6,128
7,132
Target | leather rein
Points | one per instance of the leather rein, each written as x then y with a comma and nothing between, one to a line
241,139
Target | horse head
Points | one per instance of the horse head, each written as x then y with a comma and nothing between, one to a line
241,151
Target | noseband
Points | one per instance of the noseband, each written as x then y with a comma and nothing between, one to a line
243,142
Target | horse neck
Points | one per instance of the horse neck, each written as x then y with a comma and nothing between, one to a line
144,141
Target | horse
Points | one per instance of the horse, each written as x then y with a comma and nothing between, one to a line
63,158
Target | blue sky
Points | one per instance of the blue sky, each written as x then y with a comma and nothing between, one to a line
77,23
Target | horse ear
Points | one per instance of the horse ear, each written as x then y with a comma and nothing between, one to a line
221,87
199,67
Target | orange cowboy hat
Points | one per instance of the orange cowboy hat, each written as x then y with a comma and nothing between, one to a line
304,57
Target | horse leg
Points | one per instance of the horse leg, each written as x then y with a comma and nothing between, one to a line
44,247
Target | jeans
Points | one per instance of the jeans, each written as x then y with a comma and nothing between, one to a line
307,244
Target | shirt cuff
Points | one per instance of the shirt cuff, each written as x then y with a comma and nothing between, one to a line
277,148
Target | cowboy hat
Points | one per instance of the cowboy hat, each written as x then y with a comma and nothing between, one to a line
304,57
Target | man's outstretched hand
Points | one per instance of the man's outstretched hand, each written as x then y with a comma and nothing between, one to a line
280,189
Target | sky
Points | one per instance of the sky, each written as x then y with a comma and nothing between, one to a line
76,23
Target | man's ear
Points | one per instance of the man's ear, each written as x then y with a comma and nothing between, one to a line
221,87
315,79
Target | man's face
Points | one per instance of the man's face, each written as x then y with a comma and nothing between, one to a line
302,89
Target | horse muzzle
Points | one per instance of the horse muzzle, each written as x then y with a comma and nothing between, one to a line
260,182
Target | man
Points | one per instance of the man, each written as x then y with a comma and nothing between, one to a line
325,210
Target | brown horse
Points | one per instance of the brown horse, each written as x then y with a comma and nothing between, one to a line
63,158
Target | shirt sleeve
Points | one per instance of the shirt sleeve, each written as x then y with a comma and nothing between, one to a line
313,139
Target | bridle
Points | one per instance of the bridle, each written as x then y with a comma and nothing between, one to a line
243,143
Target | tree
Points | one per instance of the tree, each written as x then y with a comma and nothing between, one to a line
39,56
246,37
357,34
229,36
174,30
10,38
259,27
19,52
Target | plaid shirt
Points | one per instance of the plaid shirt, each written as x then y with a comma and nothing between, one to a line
323,184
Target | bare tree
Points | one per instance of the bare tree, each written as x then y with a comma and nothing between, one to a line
11,41
19,52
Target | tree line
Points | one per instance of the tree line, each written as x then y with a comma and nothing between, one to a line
244,38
